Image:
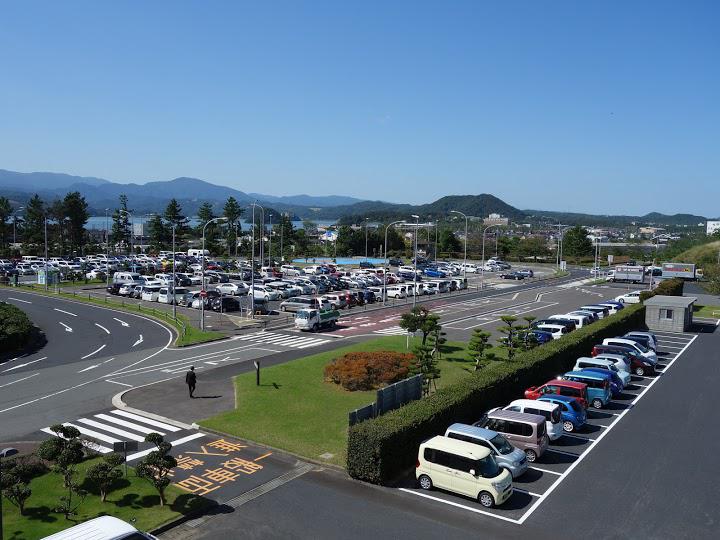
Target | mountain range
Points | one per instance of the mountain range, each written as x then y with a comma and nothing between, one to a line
192,192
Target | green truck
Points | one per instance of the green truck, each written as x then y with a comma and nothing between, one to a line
315,319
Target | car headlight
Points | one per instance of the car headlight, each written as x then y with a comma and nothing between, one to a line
497,485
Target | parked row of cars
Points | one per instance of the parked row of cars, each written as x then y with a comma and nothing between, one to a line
481,460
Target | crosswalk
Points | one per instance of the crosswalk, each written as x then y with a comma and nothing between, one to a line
286,340
101,431
391,331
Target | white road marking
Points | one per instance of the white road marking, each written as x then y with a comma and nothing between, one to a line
139,341
121,322
88,444
89,368
544,470
125,423
457,505
519,490
25,364
67,328
19,300
108,360
94,352
19,380
577,437
102,328
120,383
93,434
111,429
175,444
65,312
145,420
563,452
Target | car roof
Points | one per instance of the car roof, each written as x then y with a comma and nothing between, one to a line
467,429
532,403
586,374
456,446
101,527
569,384
557,397
517,416
596,360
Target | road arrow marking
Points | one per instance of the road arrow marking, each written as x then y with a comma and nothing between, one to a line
67,328
121,322
89,368
103,328
139,341
25,364
65,312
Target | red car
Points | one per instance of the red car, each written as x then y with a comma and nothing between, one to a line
559,386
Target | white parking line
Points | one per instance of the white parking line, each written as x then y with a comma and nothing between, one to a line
456,505
563,452
527,492
19,300
544,470
582,438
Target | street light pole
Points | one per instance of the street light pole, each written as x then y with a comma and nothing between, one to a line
385,269
174,304
417,225
107,249
252,259
466,239
46,256
366,239
482,273
270,240
202,269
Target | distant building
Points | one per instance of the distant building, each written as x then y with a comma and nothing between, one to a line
650,231
495,219
712,227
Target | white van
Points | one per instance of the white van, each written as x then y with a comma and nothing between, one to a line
150,293
165,295
197,253
551,412
557,330
126,277
579,320
101,528
462,467
290,270
395,291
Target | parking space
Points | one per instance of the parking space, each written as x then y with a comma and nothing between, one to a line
565,454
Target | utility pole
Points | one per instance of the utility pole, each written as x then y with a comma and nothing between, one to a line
202,269
385,268
466,239
174,304
417,225
366,239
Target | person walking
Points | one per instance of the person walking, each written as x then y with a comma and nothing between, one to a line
190,380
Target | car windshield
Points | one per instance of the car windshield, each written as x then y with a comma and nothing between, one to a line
487,467
502,445
641,347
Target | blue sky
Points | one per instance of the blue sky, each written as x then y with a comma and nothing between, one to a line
602,107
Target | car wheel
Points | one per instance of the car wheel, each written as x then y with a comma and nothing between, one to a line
425,482
597,403
531,455
486,499
622,301
568,426
639,371
315,327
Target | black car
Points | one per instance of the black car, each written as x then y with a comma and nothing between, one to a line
366,264
114,288
369,297
512,275
224,304
395,262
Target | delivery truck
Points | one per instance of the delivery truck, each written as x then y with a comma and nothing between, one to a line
629,274
679,270
315,319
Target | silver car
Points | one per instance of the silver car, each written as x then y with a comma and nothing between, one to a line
507,456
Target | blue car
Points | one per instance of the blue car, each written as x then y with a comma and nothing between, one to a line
616,384
572,413
541,336
434,272
598,386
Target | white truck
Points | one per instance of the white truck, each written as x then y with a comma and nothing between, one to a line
315,319
631,274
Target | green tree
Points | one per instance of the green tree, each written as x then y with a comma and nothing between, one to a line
427,365
105,473
15,488
174,216
576,242
157,233
121,232
420,319
448,242
205,214
6,211
34,227
233,212
436,340
64,451
76,211
478,345
510,341
157,465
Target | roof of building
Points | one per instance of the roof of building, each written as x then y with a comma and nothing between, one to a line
671,301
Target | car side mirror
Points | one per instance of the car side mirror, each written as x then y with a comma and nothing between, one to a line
472,471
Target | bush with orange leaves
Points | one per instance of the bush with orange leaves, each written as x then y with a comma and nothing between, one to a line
369,370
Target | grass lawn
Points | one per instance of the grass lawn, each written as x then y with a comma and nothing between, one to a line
294,409
133,498
707,311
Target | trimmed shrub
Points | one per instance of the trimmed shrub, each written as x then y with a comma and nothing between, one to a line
15,328
368,370
667,287
381,449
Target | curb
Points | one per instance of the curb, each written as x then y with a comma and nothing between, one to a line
118,403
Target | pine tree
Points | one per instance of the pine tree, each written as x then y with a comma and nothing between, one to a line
121,233
6,211
479,343
76,212
426,364
173,216
158,234
510,341
34,227
436,340
233,212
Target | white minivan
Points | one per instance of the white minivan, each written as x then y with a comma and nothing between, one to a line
464,468
551,412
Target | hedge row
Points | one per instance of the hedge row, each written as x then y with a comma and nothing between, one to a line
667,287
381,449
15,328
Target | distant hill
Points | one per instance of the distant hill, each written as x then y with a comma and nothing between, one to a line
307,200
653,218
44,180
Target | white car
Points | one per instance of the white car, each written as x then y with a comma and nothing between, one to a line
629,298
228,288
150,293
557,330
639,348
94,274
261,292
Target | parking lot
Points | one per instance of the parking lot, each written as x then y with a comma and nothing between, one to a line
565,454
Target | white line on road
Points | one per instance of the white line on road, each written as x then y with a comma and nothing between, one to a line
174,445
103,328
94,352
527,492
19,380
120,383
121,322
89,368
18,300
25,364
65,312
125,423
145,420
139,341
544,470
67,328
111,429
456,505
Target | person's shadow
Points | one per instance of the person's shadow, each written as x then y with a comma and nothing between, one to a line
207,397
